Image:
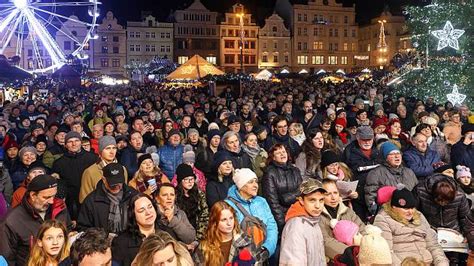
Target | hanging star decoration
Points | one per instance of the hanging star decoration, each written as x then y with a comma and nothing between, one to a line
455,97
448,36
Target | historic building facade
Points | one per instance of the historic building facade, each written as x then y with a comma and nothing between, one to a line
325,36
274,44
196,32
236,27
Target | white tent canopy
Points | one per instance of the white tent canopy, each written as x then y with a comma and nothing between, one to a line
340,71
303,71
321,71
264,75
285,71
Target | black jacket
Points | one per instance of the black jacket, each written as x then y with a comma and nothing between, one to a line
19,229
205,161
95,208
70,168
280,186
451,216
217,190
240,160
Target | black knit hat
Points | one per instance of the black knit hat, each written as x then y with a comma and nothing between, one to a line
182,171
41,138
329,157
143,157
220,157
403,198
42,182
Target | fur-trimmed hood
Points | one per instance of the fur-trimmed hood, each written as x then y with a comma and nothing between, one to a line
389,210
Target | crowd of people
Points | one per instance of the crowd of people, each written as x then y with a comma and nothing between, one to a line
289,173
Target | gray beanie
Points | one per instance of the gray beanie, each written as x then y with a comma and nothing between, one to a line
27,149
188,154
106,141
193,130
72,135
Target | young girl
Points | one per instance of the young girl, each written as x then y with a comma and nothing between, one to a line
464,178
51,244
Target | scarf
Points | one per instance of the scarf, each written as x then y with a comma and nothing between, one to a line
117,217
252,152
343,137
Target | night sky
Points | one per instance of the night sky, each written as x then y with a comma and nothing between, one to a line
131,9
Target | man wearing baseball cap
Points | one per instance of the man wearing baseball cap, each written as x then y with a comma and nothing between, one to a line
302,240
22,224
107,206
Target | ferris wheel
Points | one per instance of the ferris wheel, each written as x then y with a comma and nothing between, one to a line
44,34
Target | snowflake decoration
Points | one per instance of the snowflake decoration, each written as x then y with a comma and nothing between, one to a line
448,36
455,97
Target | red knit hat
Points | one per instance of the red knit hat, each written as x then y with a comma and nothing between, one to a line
11,144
379,122
341,121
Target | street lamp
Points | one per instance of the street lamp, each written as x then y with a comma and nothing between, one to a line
242,35
382,44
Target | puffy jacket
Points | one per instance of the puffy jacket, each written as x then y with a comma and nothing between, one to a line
421,164
259,208
290,144
462,154
385,175
179,224
410,238
240,160
6,185
18,231
333,247
451,216
129,159
204,161
96,207
70,168
302,242
469,229
280,187
170,158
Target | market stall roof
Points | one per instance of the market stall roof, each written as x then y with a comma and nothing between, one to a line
303,71
12,73
264,75
285,71
194,69
66,71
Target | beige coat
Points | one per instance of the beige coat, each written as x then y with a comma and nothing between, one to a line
333,247
410,238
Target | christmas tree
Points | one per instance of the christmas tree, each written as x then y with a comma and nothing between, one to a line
442,67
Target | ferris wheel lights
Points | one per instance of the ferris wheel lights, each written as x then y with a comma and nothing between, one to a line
93,12
20,4
94,36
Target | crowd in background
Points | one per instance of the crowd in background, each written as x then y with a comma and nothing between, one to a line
289,173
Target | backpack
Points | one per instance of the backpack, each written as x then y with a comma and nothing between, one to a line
251,226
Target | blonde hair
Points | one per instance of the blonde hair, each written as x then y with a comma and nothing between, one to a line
159,241
345,169
298,127
411,261
37,254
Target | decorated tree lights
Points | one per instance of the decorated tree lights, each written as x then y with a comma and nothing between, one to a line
442,32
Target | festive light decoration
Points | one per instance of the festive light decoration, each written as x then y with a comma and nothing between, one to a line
448,36
455,97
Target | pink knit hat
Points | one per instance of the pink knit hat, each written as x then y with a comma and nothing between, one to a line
344,231
384,194
462,170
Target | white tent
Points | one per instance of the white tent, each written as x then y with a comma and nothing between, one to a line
365,70
322,71
264,75
303,71
340,71
284,71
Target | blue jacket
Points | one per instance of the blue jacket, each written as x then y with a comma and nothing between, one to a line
129,159
462,154
421,164
170,158
259,208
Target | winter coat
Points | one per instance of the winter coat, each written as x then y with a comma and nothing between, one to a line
410,238
129,159
469,229
6,185
333,247
280,187
70,168
439,145
204,161
305,171
217,188
96,207
18,174
421,163
240,159
452,132
200,218
259,208
302,242
451,216
180,225
19,230
200,180
91,176
52,154
170,158
385,175
462,154
290,144
19,194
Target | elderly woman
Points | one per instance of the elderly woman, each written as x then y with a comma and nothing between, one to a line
407,231
27,156
231,144
257,155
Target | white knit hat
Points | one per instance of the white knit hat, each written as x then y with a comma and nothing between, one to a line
462,170
374,248
243,176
